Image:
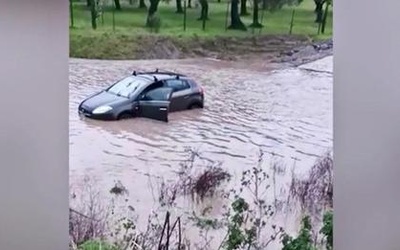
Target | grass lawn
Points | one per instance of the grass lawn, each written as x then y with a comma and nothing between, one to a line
130,23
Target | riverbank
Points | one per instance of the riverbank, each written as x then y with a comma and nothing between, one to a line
274,50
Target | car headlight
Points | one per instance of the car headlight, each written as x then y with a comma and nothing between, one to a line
102,109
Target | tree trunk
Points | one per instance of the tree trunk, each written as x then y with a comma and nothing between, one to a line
71,13
325,18
93,14
204,10
179,8
319,4
130,2
88,3
189,4
117,5
236,22
142,4
152,10
243,8
256,23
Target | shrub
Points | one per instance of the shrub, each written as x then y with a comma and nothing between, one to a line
303,241
315,193
327,229
94,245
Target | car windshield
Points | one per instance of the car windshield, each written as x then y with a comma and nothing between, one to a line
126,86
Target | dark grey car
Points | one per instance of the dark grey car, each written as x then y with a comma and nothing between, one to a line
144,94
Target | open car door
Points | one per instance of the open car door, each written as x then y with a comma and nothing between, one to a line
155,104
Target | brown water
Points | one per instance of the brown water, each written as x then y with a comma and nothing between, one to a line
286,112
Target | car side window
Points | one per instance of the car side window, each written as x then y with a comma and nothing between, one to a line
177,85
158,94
150,88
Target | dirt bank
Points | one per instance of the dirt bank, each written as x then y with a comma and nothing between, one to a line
274,49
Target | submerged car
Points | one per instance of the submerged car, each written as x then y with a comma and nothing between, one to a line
144,94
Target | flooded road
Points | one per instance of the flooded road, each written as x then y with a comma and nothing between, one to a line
284,112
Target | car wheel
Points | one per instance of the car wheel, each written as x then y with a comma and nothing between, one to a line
124,115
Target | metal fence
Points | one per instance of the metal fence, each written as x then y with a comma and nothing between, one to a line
102,5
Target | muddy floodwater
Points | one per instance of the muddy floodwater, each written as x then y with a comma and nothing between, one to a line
286,112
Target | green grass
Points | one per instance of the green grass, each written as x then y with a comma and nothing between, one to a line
129,24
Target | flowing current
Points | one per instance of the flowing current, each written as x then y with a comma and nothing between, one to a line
287,113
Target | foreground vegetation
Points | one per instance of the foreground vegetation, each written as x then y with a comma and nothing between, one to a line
246,221
120,33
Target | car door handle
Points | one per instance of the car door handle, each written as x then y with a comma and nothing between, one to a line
163,109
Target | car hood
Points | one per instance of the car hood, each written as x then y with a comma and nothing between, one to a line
102,98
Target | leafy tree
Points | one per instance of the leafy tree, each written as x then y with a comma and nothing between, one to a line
179,8
269,5
204,10
325,16
319,9
151,14
117,4
243,8
236,22
142,4
274,5
93,13
319,4
256,23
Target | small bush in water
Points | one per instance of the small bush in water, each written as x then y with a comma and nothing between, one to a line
303,241
327,229
95,245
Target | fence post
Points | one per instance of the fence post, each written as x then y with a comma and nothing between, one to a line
227,14
319,28
102,15
71,12
113,16
262,20
184,15
292,21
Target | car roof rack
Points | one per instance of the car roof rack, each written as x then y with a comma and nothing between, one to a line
158,72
